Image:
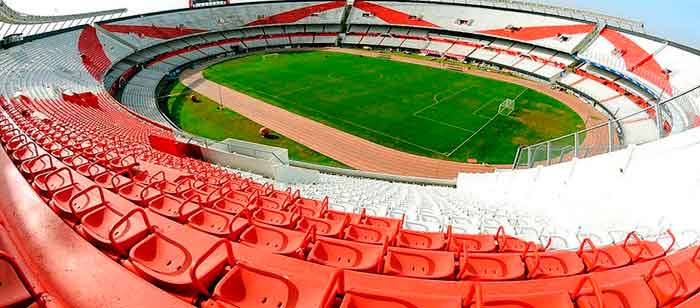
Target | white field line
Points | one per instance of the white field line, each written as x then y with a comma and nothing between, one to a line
443,123
437,101
484,106
472,136
484,126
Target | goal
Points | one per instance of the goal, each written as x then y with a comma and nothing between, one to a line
270,56
506,107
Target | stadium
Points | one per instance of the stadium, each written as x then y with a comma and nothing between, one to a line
352,154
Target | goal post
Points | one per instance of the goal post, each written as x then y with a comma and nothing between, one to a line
507,107
270,56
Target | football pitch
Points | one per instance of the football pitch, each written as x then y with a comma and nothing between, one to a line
412,108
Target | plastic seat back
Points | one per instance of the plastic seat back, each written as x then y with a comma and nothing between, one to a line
324,227
551,264
472,243
490,266
421,240
277,240
631,293
384,299
347,254
367,234
672,283
604,258
420,263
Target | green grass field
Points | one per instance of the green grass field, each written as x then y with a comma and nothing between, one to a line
417,109
205,119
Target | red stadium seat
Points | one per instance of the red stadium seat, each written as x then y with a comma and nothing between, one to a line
234,202
674,282
421,240
384,299
259,189
97,224
174,208
472,243
490,266
551,264
632,292
24,152
276,218
385,222
311,209
324,227
40,164
642,251
424,264
139,193
77,202
46,184
91,170
351,218
212,221
347,254
368,234
166,259
604,258
281,282
277,240
276,200
508,243
502,298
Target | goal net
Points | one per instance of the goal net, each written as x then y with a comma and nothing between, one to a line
270,56
506,107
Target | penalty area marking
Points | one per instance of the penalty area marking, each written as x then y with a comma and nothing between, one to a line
472,136
483,126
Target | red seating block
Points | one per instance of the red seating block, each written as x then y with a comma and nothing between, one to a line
312,209
218,223
641,251
347,254
277,240
628,293
174,208
472,243
276,218
551,264
324,227
166,259
490,266
604,258
420,263
368,234
502,298
266,281
351,218
384,299
673,282
421,240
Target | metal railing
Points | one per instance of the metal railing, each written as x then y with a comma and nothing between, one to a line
661,120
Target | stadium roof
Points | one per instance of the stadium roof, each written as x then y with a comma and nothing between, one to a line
10,16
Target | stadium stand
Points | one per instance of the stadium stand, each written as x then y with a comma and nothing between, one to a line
96,213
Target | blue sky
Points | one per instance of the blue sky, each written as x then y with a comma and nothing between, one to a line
677,20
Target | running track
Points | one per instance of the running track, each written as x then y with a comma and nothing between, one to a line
359,153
